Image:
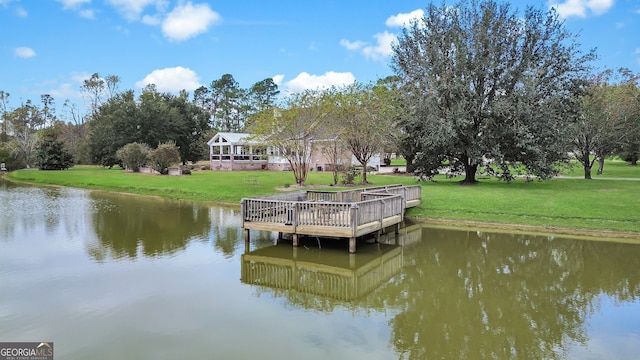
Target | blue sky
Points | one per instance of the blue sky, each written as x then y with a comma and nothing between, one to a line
51,46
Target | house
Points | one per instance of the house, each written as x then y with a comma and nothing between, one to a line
237,151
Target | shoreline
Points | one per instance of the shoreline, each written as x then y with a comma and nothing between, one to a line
630,237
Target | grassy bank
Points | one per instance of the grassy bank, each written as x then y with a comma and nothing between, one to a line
568,202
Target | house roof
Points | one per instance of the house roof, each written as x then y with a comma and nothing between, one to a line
232,138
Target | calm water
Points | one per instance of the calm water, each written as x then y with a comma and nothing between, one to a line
108,276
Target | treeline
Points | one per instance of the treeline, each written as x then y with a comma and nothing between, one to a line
116,118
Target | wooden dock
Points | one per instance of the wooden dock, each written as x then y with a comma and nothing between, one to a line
341,214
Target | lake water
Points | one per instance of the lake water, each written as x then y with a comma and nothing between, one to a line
109,276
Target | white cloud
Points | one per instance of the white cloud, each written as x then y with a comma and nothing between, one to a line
382,48
404,19
65,91
172,79
132,9
378,51
151,20
352,45
581,8
87,14
188,20
277,79
25,52
73,4
306,81
20,12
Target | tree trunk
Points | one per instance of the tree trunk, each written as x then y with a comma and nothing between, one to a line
470,174
410,167
364,174
600,165
587,165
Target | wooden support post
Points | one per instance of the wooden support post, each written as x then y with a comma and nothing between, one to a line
377,235
246,235
352,245
295,239
397,228
279,236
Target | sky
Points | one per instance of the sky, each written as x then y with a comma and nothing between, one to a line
51,46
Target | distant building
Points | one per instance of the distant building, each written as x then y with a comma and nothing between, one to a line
237,151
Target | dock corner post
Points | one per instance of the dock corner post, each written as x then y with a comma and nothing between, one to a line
295,240
377,235
243,210
397,228
247,236
352,245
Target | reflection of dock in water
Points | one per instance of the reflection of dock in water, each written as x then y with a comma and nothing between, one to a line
330,272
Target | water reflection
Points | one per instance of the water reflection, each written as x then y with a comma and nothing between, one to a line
127,226
331,273
468,295
427,294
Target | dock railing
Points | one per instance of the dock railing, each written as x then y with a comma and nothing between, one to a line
322,213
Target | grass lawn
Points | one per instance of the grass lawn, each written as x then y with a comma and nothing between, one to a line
612,169
565,202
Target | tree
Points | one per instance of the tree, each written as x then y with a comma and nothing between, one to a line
133,156
263,95
364,119
50,151
163,156
194,124
488,85
602,125
98,90
226,103
155,118
4,104
24,122
112,127
290,130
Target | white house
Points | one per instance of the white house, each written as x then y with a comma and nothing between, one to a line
236,151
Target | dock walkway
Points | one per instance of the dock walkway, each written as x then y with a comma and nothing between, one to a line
341,214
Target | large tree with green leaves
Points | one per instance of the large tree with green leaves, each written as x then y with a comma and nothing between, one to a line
51,153
154,119
489,85
606,111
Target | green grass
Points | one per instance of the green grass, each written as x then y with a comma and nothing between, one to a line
567,202
398,162
207,186
612,169
570,203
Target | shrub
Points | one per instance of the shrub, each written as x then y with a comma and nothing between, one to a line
164,156
133,156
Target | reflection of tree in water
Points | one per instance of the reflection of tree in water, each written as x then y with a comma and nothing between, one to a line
226,229
128,224
468,295
52,209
